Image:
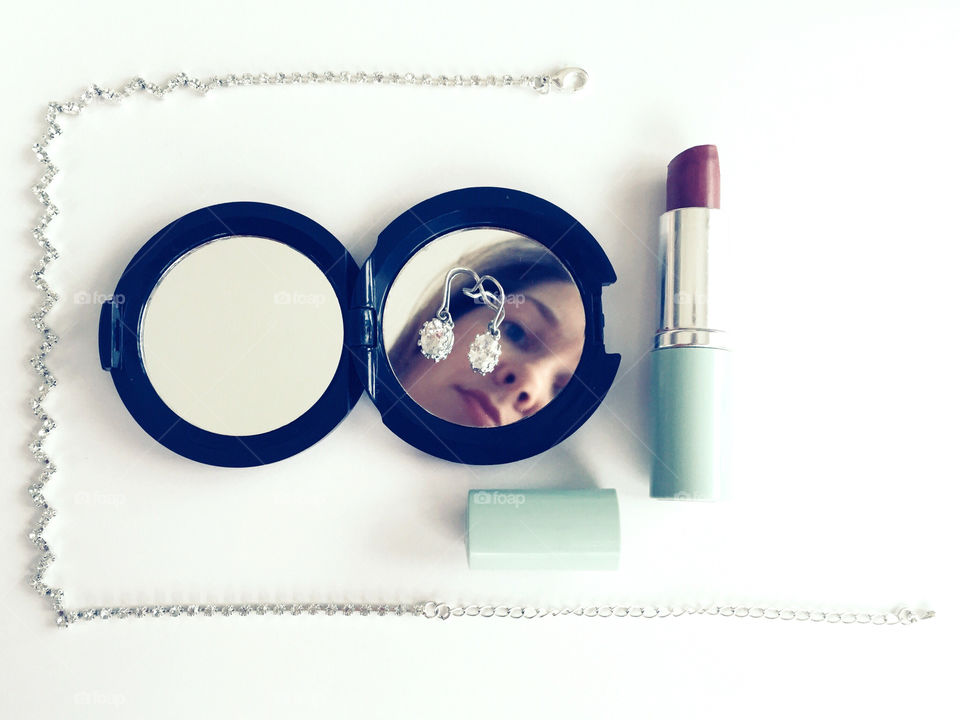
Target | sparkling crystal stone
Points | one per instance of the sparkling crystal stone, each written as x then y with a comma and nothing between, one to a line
484,353
436,339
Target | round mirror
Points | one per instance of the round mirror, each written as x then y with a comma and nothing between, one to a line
540,330
241,336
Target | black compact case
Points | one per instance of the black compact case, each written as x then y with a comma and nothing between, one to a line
362,293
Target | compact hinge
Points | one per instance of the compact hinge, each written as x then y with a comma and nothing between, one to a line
361,328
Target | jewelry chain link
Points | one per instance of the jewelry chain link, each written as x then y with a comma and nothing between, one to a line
564,81
900,616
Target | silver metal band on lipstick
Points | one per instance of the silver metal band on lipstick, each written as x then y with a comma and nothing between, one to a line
693,269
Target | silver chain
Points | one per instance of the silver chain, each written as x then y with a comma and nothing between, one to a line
899,616
563,81
445,611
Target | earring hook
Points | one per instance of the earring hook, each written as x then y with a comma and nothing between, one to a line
496,302
444,312
501,303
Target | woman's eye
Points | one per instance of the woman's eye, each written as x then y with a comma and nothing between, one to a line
514,333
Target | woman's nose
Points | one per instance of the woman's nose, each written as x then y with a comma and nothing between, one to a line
523,386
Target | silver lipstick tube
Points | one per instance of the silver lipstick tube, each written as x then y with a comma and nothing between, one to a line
694,270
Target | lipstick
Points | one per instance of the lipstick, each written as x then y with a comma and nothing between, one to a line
690,358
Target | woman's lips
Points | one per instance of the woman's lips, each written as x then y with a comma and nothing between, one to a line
481,409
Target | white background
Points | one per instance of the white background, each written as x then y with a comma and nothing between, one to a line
836,123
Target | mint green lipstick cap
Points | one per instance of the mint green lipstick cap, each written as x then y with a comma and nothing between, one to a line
543,529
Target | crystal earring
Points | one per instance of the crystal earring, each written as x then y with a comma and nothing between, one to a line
484,352
436,334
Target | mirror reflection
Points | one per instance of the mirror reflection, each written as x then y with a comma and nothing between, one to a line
241,336
508,286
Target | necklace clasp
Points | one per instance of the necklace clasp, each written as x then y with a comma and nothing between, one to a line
568,80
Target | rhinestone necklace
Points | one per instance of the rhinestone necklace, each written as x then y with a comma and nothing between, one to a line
563,81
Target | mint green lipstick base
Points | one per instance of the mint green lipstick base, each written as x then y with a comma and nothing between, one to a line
690,423
543,529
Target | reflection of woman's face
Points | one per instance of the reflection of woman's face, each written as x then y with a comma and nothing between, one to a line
542,338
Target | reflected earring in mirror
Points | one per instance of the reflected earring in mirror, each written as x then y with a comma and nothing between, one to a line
436,334
484,352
